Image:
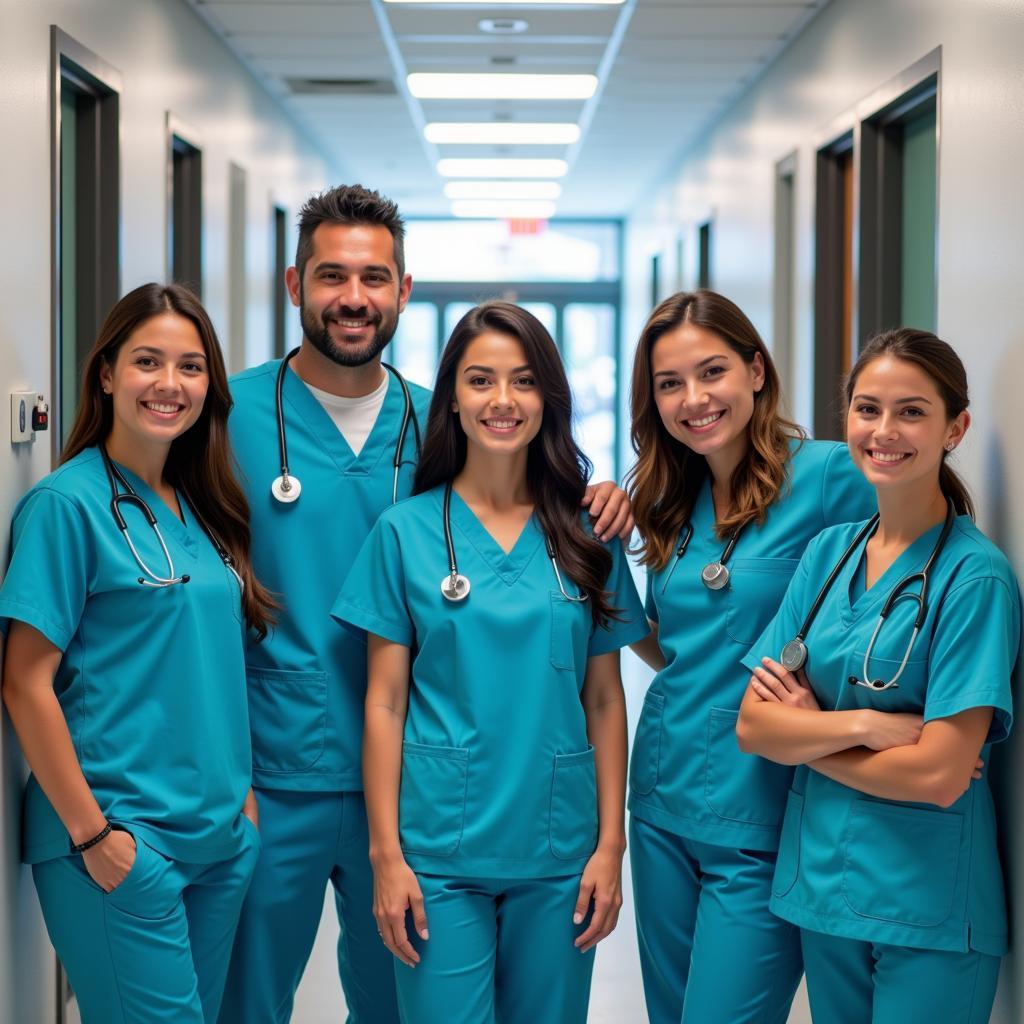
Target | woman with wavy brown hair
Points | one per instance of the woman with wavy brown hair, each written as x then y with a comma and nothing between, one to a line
495,737
125,606
726,494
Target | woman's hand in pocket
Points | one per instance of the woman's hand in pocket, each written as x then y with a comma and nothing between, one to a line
110,859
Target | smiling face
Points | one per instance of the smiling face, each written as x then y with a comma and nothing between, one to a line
897,426
704,392
497,397
157,383
350,296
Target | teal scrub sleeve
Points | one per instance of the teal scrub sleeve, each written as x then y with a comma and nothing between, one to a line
47,582
650,607
973,651
631,625
846,496
796,602
373,598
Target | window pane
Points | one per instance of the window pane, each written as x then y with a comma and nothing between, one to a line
453,313
414,350
589,352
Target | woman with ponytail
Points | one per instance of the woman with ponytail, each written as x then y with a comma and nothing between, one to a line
125,607
727,493
888,862
495,738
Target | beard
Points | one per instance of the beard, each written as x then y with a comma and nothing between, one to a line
317,330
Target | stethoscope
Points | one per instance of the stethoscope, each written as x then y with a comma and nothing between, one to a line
286,488
455,586
794,654
130,496
714,575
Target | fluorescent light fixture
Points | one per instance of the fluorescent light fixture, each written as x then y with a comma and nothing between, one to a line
448,86
453,168
502,190
501,133
518,3
497,210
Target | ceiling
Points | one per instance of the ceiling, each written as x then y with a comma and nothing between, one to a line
665,69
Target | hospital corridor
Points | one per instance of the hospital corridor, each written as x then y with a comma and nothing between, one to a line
511,511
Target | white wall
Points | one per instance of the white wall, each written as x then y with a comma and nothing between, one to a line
168,59
851,49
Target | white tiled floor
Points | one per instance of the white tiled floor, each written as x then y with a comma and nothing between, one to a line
617,993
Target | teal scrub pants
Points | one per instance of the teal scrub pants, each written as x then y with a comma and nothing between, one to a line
155,950
500,952
710,950
854,982
308,840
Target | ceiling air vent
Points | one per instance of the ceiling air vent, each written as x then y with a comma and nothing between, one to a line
341,86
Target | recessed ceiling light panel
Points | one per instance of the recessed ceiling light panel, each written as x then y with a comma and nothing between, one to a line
502,190
502,168
502,133
503,210
503,26
500,86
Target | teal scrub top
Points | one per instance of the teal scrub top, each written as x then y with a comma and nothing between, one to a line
498,778
888,871
151,681
307,679
687,774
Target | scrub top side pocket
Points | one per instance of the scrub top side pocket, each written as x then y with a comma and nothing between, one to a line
572,830
645,762
432,798
737,786
787,865
288,718
756,589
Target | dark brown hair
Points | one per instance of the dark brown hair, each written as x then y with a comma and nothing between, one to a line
349,204
942,365
200,462
667,477
556,469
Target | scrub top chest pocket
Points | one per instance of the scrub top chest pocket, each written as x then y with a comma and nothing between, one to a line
570,632
756,589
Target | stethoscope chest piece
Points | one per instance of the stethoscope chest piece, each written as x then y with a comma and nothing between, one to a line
715,575
794,655
455,587
286,489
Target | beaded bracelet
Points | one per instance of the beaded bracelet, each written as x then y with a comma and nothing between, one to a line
89,843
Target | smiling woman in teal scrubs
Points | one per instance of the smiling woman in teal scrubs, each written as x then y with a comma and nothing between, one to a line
124,673
495,772
721,480
888,860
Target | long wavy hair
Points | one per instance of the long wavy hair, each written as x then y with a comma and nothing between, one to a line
935,358
556,469
667,477
200,462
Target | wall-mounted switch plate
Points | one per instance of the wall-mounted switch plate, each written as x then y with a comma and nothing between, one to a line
22,404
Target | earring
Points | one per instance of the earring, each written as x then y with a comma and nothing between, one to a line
949,446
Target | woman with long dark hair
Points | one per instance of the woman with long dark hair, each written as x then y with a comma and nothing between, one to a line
125,606
884,676
726,492
495,742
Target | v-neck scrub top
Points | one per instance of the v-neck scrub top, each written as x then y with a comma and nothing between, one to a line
498,777
687,773
307,679
888,871
152,680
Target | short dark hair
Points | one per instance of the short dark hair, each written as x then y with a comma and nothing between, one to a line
349,204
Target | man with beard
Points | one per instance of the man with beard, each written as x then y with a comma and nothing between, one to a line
343,419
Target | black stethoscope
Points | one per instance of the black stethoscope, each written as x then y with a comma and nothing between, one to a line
286,488
130,496
714,575
455,586
794,654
